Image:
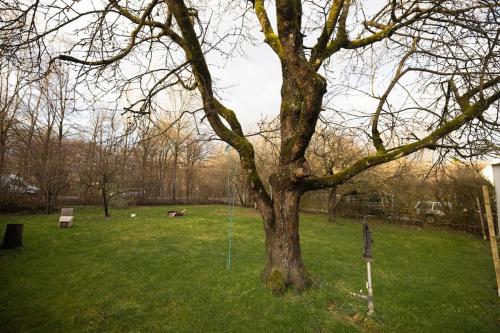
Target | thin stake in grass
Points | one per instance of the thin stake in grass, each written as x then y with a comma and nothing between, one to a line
367,255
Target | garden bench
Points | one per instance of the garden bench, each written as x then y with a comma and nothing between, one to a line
66,218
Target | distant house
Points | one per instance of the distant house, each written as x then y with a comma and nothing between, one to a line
15,184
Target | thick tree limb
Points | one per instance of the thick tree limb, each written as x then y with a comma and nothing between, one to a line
376,138
469,112
271,37
214,109
326,33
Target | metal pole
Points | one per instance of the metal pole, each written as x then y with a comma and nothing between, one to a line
367,255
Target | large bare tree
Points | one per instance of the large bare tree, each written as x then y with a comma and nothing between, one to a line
441,58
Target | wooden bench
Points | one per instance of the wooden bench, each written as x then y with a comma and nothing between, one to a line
66,218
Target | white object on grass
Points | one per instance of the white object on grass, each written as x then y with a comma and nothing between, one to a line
66,218
371,308
133,215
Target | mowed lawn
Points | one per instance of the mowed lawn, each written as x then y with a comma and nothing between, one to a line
156,274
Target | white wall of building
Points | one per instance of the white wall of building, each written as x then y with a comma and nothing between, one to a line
492,174
496,183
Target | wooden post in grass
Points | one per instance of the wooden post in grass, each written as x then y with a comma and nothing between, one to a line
493,240
481,217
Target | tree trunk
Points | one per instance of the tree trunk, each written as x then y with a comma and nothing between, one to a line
13,237
189,181
174,174
332,204
48,203
143,177
284,266
2,156
105,201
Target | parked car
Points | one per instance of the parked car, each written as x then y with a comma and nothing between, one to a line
15,184
432,208
132,192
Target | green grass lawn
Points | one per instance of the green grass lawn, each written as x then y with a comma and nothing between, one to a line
155,274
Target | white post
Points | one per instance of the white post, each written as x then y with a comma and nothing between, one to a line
371,307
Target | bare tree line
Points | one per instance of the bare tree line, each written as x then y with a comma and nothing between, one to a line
108,156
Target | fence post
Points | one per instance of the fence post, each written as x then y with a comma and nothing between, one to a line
481,217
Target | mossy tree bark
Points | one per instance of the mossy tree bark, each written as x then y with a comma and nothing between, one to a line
284,264
302,94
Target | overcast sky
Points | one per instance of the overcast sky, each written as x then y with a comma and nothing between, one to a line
253,84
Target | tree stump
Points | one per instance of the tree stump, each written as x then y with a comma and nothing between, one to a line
13,237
